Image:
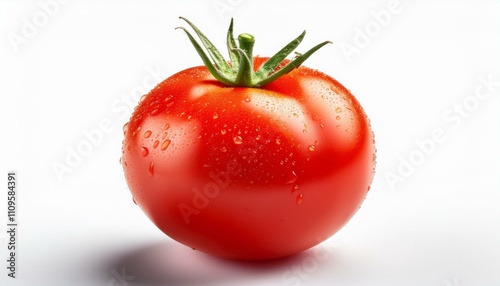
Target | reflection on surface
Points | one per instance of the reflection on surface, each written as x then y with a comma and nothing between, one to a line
169,263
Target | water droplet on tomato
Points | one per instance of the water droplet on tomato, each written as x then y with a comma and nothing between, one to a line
247,99
154,112
134,201
311,148
125,128
278,141
237,140
337,117
215,116
147,134
151,169
338,110
142,98
299,199
295,189
165,144
144,151
292,178
223,131
164,135
121,160
223,149
166,127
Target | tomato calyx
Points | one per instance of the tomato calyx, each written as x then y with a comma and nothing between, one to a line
240,71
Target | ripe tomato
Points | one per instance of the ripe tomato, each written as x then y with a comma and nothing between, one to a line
249,172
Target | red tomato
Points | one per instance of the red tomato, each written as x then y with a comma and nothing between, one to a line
249,173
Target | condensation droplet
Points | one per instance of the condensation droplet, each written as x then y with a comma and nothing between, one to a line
164,135
215,116
156,143
144,151
121,161
125,128
134,201
337,117
299,199
247,99
278,141
292,178
237,140
165,144
223,131
223,149
338,110
166,127
147,134
295,189
151,169
142,98
311,148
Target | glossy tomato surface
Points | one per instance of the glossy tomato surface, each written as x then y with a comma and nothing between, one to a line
249,173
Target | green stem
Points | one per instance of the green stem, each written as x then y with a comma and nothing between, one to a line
245,70
240,71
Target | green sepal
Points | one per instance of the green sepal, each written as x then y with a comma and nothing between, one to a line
239,71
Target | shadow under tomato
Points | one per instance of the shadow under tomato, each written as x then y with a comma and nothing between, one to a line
169,263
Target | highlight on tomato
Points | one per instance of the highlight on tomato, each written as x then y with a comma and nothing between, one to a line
253,158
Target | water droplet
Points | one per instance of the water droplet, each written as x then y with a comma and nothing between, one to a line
295,115
304,131
216,116
142,98
295,189
247,99
125,128
144,151
165,144
223,131
164,135
338,110
151,169
133,200
156,144
237,140
147,134
299,199
292,178
311,148
121,160
166,127
278,141
154,112
223,149
337,117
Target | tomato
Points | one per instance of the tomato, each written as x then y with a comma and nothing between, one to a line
249,172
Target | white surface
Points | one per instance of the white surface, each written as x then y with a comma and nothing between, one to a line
79,66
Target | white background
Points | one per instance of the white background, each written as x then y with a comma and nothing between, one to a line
66,68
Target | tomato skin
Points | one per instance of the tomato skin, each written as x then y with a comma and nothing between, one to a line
249,173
